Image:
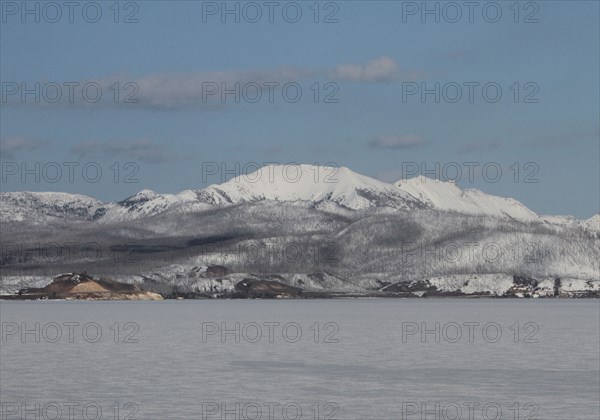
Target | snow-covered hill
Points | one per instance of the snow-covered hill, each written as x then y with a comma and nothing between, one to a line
47,207
148,203
448,196
591,225
42,207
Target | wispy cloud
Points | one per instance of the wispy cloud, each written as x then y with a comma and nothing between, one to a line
380,70
138,150
396,142
211,90
208,88
177,90
11,146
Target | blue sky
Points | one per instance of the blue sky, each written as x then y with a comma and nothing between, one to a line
543,128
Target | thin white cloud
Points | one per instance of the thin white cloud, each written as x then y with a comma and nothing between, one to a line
174,91
179,90
382,69
11,146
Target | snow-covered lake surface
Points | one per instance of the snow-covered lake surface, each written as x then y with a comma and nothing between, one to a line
303,359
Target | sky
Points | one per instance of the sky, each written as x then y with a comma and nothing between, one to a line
106,99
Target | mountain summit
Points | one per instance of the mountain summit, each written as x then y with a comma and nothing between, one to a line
310,183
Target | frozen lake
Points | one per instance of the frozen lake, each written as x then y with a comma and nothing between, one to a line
301,359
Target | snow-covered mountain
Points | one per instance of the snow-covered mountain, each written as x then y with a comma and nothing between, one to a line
316,184
443,195
317,229
320,186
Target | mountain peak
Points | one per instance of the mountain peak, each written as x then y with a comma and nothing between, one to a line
425,180
423,185
140,197
147,192
309,183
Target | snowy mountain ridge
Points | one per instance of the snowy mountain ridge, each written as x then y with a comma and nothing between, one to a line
314,184
318,185
444,195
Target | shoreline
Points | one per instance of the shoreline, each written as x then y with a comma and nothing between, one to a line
18,298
